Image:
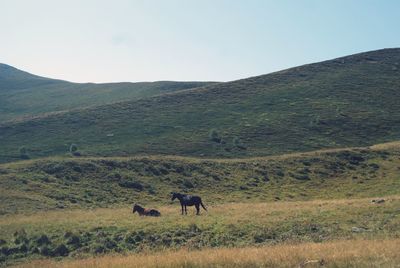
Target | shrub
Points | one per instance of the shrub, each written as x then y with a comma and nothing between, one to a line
98,248
179,170
4,250
131,185
45,251
73,149
153,170
23,248
110,244
23,153
214,136
43,240
237,143
61,250
54,168
188,184
74,240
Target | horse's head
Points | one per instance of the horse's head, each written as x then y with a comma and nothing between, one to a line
174,196
135,208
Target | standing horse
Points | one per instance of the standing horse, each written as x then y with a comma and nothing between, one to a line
145,212
189,200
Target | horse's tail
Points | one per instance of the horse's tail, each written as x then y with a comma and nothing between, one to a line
202,205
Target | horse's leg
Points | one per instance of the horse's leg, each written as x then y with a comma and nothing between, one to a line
197,209
182,208
185,210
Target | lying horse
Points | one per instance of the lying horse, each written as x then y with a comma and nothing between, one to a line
189,200
145,212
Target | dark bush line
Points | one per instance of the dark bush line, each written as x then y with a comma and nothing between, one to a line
106,240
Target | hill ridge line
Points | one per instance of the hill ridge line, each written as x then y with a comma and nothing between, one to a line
374,147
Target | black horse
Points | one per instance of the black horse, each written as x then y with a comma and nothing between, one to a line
189,200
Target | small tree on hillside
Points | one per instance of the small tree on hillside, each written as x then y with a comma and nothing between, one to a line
214,136
23,153
73,149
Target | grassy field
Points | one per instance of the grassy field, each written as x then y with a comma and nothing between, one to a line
57,183
25,95
349,253
80,233
80,207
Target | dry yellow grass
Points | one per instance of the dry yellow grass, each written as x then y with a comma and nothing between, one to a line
266,214
348,253
335,220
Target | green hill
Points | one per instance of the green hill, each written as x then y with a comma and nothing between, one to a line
23,94
75,207
54,183
349,101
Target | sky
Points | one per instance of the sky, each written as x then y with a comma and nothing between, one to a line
207,40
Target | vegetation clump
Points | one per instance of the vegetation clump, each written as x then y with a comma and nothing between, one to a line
73,149
238,143
23,153
215,136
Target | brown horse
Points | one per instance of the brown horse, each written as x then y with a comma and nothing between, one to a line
145,212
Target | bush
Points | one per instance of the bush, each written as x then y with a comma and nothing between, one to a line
23,248
43,240
153,171
45,251
99,249
237,143
179,170
110,244
61,250
73,149
214,136
188,184
5,251
131,185
74,240
23,153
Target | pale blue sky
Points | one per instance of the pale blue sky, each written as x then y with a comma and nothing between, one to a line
121,40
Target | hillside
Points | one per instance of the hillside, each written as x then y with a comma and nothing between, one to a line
24,95
52,208
57,183
350,101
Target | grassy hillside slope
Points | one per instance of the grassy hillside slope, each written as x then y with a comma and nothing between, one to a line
103,182
23,94
350,101
58,207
